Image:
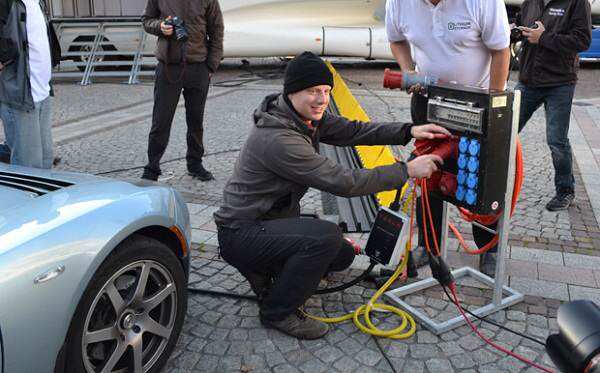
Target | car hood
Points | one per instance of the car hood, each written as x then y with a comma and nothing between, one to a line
10,198
35,201
23,185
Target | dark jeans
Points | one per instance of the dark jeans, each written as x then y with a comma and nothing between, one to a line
557,105
168,84
418,112
298,252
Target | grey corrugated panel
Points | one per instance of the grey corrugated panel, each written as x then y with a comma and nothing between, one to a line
356,214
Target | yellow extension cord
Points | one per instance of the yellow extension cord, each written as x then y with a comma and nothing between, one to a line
365,310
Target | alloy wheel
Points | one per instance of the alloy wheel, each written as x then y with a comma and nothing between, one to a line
130,320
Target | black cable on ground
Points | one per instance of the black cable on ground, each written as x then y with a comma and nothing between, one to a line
385,356
348,284
163,162
221,293
320,291
254,298
484,319
379,347
250,76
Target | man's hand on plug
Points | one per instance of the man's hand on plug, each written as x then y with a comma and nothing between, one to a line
423,166
429,132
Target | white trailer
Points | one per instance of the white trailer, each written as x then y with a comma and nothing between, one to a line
108,32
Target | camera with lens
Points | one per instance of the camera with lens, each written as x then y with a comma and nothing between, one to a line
181,33
576,346
516,34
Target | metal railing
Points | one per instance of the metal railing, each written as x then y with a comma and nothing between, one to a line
104,49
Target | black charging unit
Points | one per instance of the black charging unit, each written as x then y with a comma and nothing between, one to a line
388,237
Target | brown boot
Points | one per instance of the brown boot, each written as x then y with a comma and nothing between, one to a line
298,325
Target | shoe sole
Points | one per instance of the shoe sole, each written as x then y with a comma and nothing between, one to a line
554,209
269,326
195,176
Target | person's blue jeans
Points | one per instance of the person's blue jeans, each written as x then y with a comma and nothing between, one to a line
29,135
557,105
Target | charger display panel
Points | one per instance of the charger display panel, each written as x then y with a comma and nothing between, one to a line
388,237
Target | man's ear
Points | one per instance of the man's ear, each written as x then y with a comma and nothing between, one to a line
290,98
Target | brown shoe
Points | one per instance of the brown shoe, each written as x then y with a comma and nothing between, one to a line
298,325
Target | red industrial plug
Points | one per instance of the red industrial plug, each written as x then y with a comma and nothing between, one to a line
357,249
446,148
404,80
442,182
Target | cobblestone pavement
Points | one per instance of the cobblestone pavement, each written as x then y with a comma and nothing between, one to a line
553,257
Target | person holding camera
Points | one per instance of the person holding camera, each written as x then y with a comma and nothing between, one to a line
189,50
462,41
29,50
260,230
552,33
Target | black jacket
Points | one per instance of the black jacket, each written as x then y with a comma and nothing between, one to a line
15,88
553,61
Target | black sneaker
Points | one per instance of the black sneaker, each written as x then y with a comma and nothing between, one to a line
201,173
149,174
561,201
298,325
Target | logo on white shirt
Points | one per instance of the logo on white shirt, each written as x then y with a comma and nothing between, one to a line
452,26
556,12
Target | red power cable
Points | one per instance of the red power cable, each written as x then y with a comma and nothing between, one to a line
428,217
452,288
425,207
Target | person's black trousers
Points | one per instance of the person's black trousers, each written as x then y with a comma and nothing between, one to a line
297,252
418,112
169,81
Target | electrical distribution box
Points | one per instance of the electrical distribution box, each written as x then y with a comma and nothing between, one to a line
482,120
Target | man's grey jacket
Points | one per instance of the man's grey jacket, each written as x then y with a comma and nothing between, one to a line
280,161
15,89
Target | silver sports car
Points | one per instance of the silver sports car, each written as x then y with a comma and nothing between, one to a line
93,272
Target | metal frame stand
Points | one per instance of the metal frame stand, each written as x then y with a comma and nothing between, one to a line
497,284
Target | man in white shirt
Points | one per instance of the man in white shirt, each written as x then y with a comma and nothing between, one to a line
28,51
462,41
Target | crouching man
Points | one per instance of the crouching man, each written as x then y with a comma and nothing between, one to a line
260,230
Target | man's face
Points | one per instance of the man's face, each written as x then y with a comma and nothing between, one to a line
311,102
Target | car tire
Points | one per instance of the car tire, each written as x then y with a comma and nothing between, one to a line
117,322
87,48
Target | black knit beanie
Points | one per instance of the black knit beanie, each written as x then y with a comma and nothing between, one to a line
305,71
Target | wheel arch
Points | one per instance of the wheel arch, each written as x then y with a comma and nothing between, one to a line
158,232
